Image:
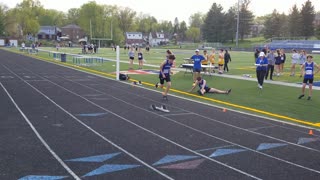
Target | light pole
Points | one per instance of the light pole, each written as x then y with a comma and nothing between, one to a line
238,17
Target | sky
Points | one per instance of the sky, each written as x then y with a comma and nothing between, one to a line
170,9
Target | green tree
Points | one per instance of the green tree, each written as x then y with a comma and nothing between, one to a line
146,23
194,34
26,15
166,26
307,17
317,32
273,25
182,31
52,17
196,20
294,22
73,16
246,19
3,12
230,24
213,24
126,18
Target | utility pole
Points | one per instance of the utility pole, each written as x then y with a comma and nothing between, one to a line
237,33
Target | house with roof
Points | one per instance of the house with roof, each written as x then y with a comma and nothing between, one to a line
48,32
157,38
73,32
134,38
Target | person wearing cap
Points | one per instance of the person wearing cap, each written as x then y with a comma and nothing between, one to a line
294,60
308,71
164,75
205,89
261,70
196,64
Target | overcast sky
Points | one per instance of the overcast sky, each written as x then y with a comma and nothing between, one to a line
169,9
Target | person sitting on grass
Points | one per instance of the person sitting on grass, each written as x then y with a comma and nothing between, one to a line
205,89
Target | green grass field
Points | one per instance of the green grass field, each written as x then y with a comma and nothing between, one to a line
275,99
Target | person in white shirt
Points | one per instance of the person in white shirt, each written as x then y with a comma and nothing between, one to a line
295,58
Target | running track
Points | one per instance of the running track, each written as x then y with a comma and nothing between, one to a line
60,123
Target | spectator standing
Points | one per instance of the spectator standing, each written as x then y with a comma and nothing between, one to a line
227,59
283,60
271,62
140,58
294,60
131,55
197,59
261,63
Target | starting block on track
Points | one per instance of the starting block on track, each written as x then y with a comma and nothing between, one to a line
163,108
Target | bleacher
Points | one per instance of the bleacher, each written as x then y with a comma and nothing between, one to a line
309,45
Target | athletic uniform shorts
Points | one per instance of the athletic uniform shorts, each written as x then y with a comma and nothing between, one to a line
132,58
140,59
197,70
207,89
167,79
306,80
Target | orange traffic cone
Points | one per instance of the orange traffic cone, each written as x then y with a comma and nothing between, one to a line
310,132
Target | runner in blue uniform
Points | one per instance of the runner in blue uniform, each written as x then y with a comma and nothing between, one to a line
308,71
197,64
206,89
164,75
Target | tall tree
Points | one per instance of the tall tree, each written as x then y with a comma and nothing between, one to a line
73,16
273,25
146,23
52,17
307,17
246,19
27,14
214,24
91,19
3,11
166,26
194,34
176,26
182,31
294,22
196,20
317,32
230,24
126,18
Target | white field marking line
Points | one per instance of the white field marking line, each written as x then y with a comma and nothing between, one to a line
91,129
211,119
180,97
65,166
287,142
155,134
212,105
177,114
219,147
202,132
207,134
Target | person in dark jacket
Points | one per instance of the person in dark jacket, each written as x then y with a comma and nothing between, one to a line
227,59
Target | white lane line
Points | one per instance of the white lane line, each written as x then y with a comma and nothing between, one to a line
91,129
177,114
219,147
151,132
227,141
279,159
259,128
65,166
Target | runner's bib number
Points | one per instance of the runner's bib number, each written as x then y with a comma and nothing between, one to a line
166,71
308,72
